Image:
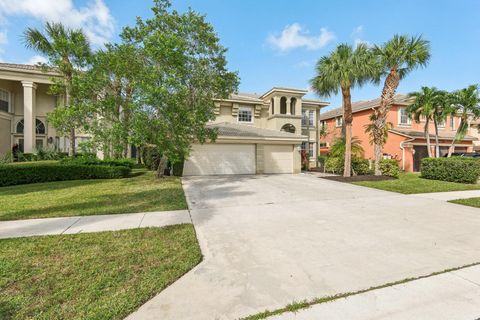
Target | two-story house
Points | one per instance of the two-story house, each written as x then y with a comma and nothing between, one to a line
259,134
24,104
406,139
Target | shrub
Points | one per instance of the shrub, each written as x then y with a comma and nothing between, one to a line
151,157
24,173
6,158
91,161
454,169
178,169
360,166
389,168
321,161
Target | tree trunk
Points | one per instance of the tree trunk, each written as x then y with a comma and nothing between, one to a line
437,143
347,120
427,137
71,152
388,93
162,165
378,155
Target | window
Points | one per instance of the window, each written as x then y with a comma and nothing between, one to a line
310,115
323,124
441,123
283,105
339,121
273,106
5,101
404,118
39,127
245,114
39,144
452,122
288,128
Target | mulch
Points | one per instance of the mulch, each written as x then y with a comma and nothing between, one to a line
358,178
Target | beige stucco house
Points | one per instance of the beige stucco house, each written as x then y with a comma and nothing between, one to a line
259,134
24,105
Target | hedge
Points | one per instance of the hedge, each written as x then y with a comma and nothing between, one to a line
89,161
360,166
389,168
44,172
454,169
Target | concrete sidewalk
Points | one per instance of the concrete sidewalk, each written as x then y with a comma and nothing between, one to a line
449,296
111,222
447,196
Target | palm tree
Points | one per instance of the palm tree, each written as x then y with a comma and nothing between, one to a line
68,51
342,70
442,107
337,150
466,102
424,106
397,58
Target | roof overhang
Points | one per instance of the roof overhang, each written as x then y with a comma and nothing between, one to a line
22,73
284,90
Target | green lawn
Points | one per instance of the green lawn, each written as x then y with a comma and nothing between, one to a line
105,275
472,202
409,183
141,192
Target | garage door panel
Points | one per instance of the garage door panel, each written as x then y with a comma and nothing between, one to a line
278,158
221,159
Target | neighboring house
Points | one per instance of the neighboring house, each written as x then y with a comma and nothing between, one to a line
24,105
406,140
259,134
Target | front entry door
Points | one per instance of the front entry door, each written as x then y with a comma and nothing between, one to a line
420,153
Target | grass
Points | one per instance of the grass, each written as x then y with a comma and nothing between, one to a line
472,202
409,183
105,275
141,192
296,306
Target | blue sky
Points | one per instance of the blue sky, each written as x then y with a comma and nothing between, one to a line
276,43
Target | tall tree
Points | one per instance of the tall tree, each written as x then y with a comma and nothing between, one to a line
423,108
343,69
397,58
466,103
441,109
68,51
184,69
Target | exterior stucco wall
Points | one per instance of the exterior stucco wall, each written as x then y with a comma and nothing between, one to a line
5,138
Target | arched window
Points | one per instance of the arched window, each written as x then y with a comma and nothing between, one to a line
273,105
283,105
288,128
39,127
293,102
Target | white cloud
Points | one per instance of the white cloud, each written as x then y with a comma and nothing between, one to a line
36,59
295,36
357,35
94,18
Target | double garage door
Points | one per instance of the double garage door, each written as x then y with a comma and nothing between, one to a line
224,159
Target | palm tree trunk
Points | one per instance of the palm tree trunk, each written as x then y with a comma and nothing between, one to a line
347,119
427,137
388,93
437,144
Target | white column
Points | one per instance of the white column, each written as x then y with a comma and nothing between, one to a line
29,112
289,107
276,101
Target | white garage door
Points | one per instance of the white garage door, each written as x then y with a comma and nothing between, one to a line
212,159
278,159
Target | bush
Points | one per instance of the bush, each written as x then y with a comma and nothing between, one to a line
6,158
41,155
360,166
454,169
151,157
94,161
35,172
389,168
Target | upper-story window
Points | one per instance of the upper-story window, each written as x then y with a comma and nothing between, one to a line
5,101
323,124
452,122
441,123
245,114
273,106
308,115
339,121
403,117
283,105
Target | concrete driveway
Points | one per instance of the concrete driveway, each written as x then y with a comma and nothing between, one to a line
271,240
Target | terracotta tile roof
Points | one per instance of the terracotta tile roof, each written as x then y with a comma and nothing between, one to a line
228,129
25,67
399,99
420,134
